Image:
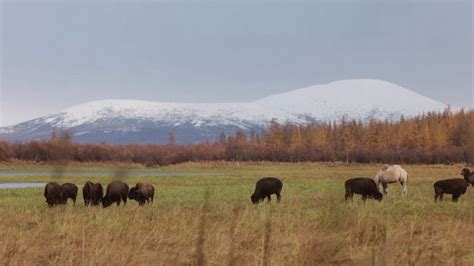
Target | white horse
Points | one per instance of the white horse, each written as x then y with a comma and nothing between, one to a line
392,174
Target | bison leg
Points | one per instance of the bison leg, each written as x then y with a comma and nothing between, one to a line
124,198
269,198
456,197
364,197
278,197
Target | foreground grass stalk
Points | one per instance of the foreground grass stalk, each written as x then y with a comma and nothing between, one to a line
235,215
267,239
201,237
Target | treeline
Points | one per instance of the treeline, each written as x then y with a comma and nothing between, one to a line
430,138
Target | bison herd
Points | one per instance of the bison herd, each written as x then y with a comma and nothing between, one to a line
59,194
93,193
368,188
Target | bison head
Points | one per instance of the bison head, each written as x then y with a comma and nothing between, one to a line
132,194
106,202
465,172
97,201
254,198
377,195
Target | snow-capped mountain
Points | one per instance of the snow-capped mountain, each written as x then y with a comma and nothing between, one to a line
128,121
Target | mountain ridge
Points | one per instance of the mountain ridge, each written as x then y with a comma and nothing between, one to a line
135,121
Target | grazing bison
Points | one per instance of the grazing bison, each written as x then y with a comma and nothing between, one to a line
92,193
142,193
468,175
53,194
69,192
454,186
364,186
392,174
265,187
116,192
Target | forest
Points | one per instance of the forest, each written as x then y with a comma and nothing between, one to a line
432,138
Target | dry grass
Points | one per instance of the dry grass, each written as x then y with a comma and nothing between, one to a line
312,226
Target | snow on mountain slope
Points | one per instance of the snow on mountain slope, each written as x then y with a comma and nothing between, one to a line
358,99
354,98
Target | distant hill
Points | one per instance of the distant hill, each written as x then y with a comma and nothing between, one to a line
130,121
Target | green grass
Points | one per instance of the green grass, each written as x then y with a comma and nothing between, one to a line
312,225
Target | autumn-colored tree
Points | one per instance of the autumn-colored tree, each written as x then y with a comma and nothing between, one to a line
222,138
429,138
273,140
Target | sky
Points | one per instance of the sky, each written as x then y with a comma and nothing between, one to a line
56,54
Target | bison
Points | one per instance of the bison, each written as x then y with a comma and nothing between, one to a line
92,193
117,191
468,175
364,186
142,193
454,186
265,187
69,192
53,194
392,174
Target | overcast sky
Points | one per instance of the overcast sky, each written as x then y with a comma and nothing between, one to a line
57,54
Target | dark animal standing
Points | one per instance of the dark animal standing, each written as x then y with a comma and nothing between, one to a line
265,187
142,193
69,192
117,191
454,186
364,186
92,193
53,194
468,176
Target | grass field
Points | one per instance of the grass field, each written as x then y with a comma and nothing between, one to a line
312,225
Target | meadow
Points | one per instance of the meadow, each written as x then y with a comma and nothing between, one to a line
206,217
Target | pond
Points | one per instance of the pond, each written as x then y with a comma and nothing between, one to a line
11,185
101,172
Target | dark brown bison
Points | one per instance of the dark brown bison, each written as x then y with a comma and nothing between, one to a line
454,186
69,191
142,193
92,193
364,186
53,194
117,191
265,187
468,175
